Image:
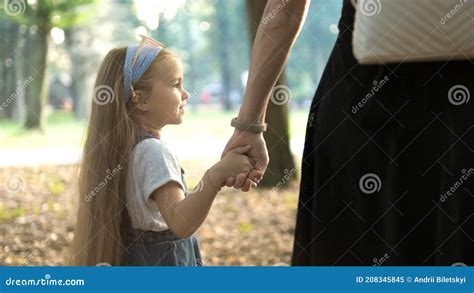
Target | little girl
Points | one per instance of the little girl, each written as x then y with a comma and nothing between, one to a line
133,208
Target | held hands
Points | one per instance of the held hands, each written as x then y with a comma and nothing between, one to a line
243,161
233,163
257,154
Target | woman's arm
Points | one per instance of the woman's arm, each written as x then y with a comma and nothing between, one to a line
281,23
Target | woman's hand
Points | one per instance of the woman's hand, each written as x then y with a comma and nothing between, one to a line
233,163
258,156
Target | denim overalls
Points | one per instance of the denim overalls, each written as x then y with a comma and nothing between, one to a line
151,248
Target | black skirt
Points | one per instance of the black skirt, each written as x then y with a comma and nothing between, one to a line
388,164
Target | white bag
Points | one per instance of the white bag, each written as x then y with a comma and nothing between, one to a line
398,31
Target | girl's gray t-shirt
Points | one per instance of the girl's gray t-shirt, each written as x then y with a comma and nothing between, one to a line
152,165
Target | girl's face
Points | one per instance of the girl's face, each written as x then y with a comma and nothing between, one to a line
168,99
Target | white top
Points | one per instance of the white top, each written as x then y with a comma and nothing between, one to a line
152,165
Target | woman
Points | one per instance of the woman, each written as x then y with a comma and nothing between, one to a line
388,165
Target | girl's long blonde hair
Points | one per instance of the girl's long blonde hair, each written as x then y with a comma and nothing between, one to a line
113,129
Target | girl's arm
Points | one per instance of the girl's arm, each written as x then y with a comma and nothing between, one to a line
184,215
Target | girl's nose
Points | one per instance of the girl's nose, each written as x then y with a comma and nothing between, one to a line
185,95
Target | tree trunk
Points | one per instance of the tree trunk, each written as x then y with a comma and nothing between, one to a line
79,92
281,168
18,106
37,91
79,59
224,55
192,74
11,93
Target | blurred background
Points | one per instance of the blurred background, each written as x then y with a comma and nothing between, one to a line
50,51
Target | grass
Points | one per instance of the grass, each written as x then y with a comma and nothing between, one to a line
63,130
10,214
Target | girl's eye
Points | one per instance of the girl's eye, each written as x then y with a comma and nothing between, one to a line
178,85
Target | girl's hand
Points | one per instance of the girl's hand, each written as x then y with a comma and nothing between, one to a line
258,155
232,164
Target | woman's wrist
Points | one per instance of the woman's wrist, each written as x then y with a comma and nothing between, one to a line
254,126
250,118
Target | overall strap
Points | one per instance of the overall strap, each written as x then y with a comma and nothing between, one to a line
146,135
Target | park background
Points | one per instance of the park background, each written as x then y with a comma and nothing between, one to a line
50,51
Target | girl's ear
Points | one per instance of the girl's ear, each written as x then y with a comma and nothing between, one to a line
139,100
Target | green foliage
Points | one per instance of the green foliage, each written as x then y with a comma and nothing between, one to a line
7,215
50,13
55,185
245,227
312,48
104,24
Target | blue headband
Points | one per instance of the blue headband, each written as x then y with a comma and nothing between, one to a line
133,73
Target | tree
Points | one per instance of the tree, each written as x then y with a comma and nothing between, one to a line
41,17
311,52
82,43
277,136
229,38
225,53
11,71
